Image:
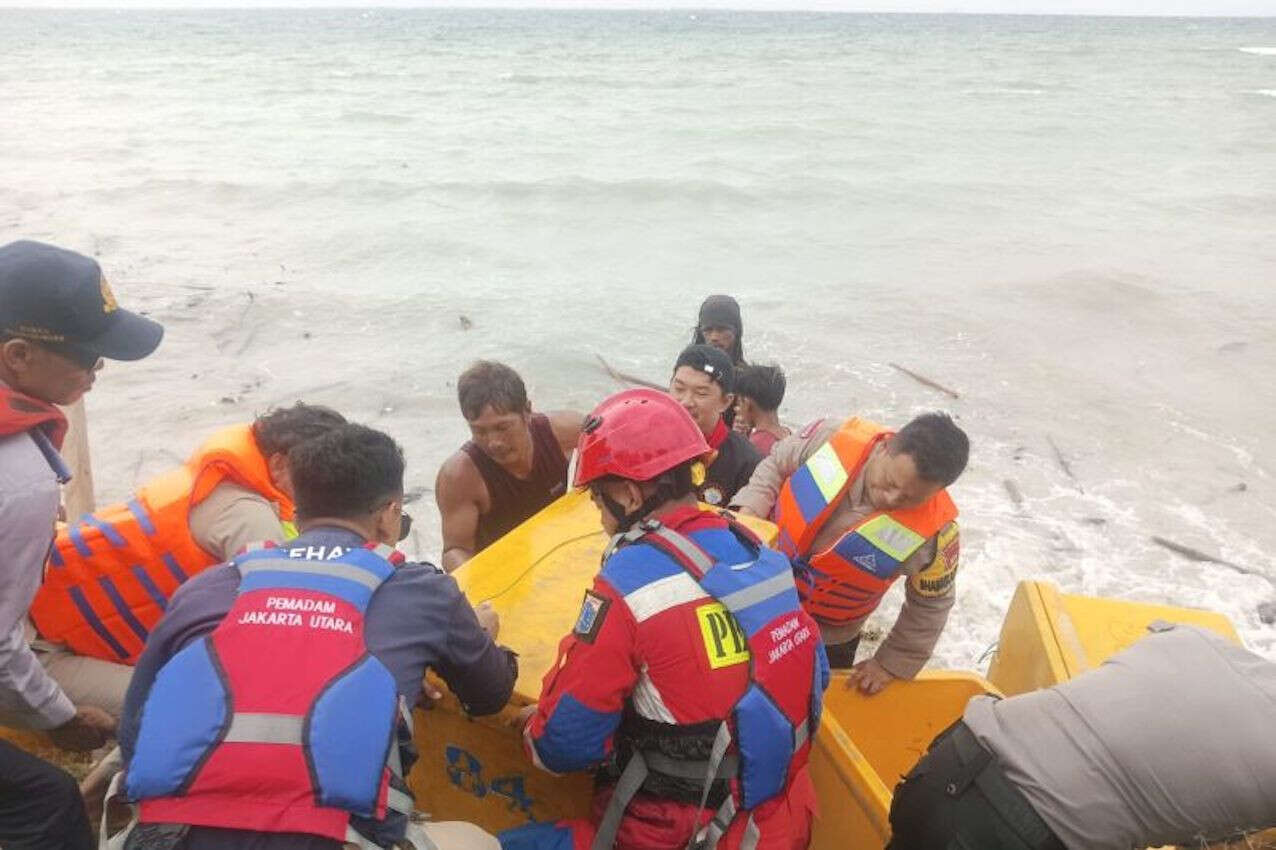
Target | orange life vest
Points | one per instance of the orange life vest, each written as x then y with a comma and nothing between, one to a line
847,581
110,573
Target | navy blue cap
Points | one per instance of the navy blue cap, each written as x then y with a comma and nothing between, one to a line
53,295
714,362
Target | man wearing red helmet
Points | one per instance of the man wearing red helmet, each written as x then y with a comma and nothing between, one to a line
692,680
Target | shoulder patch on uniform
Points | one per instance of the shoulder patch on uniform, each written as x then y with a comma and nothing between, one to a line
937,579
592,614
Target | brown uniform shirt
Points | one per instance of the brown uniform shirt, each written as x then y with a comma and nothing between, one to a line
921,621
232,517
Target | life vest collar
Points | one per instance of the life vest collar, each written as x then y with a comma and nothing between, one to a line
233,454
20,412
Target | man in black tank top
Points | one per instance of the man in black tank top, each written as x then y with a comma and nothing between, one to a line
514,464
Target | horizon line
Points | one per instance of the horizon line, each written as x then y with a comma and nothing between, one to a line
622,6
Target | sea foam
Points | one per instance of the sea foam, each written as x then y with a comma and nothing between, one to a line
1259,51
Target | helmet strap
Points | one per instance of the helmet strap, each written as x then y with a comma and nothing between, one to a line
617,511
666,487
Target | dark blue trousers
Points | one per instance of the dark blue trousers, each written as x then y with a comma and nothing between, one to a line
40,805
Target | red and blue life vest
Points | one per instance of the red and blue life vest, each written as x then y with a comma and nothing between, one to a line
279,720
766,738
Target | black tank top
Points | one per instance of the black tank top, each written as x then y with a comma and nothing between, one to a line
513,500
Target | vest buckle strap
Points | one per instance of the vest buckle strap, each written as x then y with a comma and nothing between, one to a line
631,779
687,551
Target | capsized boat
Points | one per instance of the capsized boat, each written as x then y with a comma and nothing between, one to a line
475,769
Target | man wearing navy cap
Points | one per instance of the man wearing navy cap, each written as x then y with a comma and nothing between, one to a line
58,320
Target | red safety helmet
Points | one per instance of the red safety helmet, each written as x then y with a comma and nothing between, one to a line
636,434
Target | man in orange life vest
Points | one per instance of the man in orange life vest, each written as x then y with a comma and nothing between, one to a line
693,680
111,573
58,319
514,464
859,507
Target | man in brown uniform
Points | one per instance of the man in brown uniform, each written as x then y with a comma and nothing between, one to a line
514,464
880,490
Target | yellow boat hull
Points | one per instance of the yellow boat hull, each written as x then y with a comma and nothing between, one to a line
1047,637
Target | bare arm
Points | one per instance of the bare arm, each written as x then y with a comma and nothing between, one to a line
566,425
460,494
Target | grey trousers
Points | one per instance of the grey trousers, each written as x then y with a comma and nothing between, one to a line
86,681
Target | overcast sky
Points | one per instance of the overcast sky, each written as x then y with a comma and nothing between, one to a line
1086,7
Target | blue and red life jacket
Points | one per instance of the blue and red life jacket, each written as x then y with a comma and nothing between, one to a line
766,738
279,720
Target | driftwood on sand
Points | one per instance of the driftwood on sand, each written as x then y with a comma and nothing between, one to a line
1204,558
922,379
626,379
1063,462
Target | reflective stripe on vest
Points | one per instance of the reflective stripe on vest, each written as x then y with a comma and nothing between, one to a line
110,574
847,580
321,737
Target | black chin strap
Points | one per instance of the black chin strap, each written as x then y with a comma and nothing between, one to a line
627,521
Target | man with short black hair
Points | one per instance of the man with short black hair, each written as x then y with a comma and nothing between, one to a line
702,382
58,320
327,640
758,393
514,464
858,508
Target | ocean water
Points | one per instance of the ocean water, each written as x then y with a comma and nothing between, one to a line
1069,221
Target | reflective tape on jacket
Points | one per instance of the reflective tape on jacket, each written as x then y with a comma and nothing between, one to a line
846,581
110,573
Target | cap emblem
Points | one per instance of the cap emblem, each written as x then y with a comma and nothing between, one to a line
108,298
